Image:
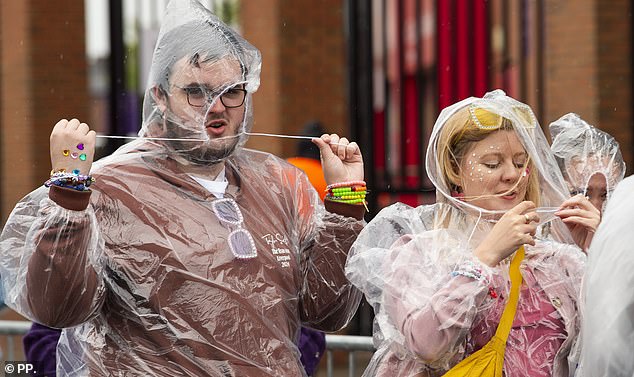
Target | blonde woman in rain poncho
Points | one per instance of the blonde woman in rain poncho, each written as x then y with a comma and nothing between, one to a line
192,257
438,275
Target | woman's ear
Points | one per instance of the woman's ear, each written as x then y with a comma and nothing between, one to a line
160,98
457,193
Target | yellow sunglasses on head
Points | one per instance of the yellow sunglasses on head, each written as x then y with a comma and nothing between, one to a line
488,120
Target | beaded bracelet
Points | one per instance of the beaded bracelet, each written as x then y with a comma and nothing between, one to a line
353,192
473,271
72,180
470,270
346,184
469,274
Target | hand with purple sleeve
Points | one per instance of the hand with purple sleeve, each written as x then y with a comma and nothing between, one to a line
40,346
312,345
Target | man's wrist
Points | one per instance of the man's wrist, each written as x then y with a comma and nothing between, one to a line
349,210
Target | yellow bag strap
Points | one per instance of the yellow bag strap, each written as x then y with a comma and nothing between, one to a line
506,321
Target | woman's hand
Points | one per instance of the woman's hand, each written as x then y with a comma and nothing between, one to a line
582,219
516,228
72,147
340,159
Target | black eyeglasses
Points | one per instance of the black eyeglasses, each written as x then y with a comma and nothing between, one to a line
240,240
200,97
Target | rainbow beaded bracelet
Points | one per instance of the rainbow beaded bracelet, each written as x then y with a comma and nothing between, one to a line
353,192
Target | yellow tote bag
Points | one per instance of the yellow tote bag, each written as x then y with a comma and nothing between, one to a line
489,360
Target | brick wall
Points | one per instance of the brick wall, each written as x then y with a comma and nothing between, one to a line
43,71
570,61
16,106
260,26
588,65
615,74
304,67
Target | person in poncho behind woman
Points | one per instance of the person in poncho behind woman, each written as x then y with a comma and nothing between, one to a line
438,276
590,159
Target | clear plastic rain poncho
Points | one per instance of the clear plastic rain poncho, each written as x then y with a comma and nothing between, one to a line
435,302
608,326
157,276
589,158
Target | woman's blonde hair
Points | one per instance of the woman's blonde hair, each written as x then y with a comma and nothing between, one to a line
460,131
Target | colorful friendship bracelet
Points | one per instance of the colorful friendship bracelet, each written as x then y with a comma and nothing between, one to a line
353,192
346,184
72,180
469,274
347,197
470,269
473,271
340,190
346,187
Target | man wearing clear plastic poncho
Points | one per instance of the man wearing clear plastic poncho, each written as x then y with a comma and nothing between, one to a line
189,255
589,158
438,275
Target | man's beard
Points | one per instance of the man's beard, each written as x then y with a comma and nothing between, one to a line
203,152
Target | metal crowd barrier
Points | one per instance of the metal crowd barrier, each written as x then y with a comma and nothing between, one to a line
9,329
350,343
